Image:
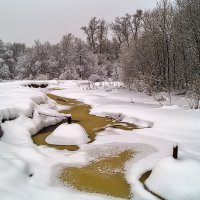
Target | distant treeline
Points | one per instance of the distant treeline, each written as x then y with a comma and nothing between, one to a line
154,51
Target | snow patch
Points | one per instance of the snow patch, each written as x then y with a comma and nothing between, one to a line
176,179
68,134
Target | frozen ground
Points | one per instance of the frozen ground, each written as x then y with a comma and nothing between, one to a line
27,169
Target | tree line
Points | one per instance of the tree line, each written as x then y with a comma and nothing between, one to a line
153,51
164,54
71,58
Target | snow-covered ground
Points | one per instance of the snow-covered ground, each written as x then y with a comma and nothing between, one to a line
160,129
181,179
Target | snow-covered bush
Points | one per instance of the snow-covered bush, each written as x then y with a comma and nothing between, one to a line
95,78
4,72
69,74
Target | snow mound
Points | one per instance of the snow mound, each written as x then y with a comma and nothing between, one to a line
176,179
52,113
68,134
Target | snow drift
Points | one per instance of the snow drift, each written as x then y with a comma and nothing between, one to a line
68,134
176,179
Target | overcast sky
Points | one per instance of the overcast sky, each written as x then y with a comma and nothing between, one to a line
48,20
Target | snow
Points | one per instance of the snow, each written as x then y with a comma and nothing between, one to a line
160,126
68,134
181,179
159,129
52,113
16,100
20,158
2,60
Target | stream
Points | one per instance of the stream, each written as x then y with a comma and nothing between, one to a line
80,115
105,175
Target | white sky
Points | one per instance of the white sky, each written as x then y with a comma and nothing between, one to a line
48,20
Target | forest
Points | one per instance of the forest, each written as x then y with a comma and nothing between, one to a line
152,51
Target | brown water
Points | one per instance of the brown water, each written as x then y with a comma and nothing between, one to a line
80,114
105,175
143,178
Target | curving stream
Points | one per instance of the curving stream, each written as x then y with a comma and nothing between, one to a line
80,114
105,175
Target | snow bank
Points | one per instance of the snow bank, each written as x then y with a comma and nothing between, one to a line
176,179
170,125
27,169
16,100
162,126
68,134
52,113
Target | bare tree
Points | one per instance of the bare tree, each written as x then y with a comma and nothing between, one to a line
91,32
102,32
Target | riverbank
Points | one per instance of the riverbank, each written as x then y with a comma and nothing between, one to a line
107,175
33,167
